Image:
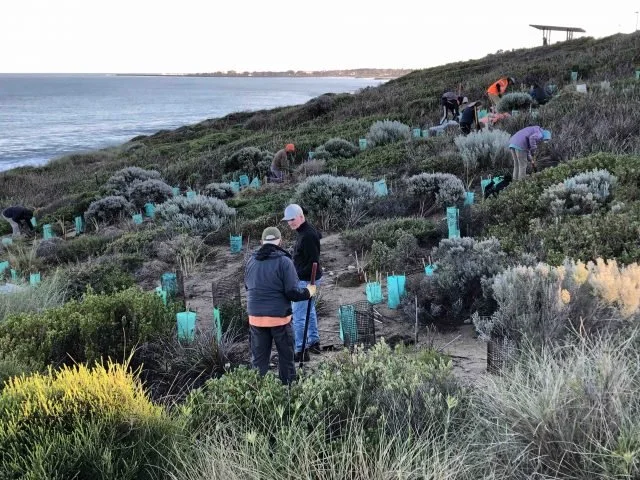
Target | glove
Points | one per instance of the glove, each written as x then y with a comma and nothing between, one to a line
311,289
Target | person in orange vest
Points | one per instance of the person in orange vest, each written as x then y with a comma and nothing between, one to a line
498,88
271,282
281,162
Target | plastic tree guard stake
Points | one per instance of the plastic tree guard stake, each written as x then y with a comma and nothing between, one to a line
255,183
7,241
482,113
311,155
169,283
235,186
574,76
175,191
46,232
244,181
429,269
137,218
79,225
425,133
3,267
217,323
395,290
235,242
186,325
484,182
34,278
191,194
374,293
150,210
453,222
348,326
14,275
363,143
469,197
416,132
34,222
162,293
380,188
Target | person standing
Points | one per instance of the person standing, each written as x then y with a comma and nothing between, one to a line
523,145
499,88
18,215
272,284
306,252
281,162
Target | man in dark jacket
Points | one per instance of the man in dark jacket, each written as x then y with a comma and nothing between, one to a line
272,284
16,216
470,117
305,253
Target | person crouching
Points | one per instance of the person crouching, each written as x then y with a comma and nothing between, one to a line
272,284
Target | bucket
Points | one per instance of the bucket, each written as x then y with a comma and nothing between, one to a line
79,225
235,242
363,143
34,278
137,218
150,210
186,325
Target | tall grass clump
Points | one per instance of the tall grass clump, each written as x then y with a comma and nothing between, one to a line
199,215
47,294
383,132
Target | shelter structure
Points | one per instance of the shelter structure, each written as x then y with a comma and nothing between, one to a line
547,29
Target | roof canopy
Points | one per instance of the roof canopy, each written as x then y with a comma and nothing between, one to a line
546,31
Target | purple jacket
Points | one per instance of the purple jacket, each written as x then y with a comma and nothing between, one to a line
527,138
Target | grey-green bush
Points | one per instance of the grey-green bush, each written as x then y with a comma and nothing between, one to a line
435,190
383,132
121,181
581,194
108,210
200,215
514,101
483,150
223,191
336,148
149,191
248,160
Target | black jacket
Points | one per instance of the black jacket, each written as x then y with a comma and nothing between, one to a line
271,282
307,251
19,214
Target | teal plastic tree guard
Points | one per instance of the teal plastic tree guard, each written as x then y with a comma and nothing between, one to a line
348,325
483,183
137,218
191,194
3,267
380,188
162,293
453,222
425,133
175,191
311,155
363,143
6,241
534,113
515,113
34,278
46,231
637,74
235,186
34,222
217,324
469,197
395,289
430,269
14,275
574,76
482,113
169,283
235,242
416,132
79,224
186,325
255,183
244,181
374,293
150,210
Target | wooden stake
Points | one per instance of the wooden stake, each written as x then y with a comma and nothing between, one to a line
416,326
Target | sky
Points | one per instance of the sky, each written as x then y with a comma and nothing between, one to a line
190,36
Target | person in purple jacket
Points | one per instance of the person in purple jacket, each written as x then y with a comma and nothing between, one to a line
523,145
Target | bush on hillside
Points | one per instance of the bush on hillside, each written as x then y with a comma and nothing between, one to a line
328,198
99,276
109,210
514,101
199,215
336,148
435,190
249,160
482,151
388,231
581,194
121,181
149,191
223,191
383,132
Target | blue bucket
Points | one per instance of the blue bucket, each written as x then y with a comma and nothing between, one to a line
150,210
363,143
46,232
235,242
374,293
186,325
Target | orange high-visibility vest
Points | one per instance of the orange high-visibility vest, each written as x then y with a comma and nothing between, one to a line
493,89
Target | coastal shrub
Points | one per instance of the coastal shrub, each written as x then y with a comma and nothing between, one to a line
138,242
383,132
80,419
199,215
121,181
96,275
455,291
248,160
388,231
336,148
581,194
482,151
223,191
109,210
149,191
89,330
380,259
326,197
514,101
435,190
309,169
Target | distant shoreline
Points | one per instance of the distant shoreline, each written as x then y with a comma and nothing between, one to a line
376,75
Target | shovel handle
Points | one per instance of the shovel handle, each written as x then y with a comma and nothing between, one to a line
314,270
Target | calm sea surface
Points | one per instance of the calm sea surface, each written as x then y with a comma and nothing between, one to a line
46,116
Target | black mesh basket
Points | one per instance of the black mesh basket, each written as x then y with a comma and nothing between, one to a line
356,324
501,352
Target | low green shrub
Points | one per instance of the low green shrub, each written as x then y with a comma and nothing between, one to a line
149,191
109,210
97,276
387,131
388,231
581,194
336,148
249,161
223,191
514,101
482,151
435,190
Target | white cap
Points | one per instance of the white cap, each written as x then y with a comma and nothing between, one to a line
292,211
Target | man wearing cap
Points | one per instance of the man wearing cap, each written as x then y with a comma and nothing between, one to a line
281,162
523,145
272,284
306,252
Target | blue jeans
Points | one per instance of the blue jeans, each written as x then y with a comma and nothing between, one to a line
299,317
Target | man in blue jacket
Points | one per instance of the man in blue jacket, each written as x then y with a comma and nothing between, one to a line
272,284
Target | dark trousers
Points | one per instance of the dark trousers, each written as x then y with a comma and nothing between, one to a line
261,340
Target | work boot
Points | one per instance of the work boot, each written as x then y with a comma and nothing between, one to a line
315,348
298,355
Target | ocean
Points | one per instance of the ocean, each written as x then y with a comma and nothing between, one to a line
44,116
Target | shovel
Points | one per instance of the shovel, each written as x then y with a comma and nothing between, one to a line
314,268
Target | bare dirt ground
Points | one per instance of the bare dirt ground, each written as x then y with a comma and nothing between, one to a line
468,353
